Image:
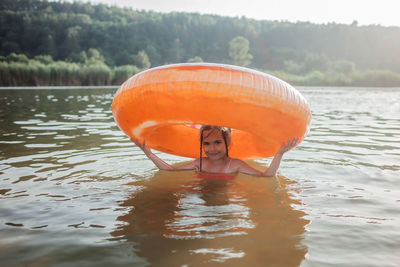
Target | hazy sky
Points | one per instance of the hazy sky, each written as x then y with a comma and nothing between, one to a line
383,12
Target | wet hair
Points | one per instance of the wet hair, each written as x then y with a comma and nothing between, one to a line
225,131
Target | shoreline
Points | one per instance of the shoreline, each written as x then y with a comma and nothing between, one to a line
75,87
58,87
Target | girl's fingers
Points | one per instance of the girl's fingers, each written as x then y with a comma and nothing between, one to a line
295,140
291,142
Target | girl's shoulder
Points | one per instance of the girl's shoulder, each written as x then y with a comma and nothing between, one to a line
234,165
243,167
235,161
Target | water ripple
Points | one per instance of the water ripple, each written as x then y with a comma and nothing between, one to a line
71,183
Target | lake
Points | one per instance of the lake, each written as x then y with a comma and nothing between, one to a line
74,191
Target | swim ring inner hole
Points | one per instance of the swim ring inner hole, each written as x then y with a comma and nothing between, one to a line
184,140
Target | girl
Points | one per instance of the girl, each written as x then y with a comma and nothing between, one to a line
215,141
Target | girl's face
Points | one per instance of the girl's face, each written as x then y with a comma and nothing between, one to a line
214,144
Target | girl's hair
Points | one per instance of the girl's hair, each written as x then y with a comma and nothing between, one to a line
225,131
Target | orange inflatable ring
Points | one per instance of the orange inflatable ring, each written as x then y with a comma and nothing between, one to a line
165,104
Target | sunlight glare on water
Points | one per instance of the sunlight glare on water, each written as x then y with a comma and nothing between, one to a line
74,191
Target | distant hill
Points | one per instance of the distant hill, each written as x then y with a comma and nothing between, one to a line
64,30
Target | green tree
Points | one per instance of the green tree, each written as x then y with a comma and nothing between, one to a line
344,66
154,55
195,59
293,67
239,51
45,59
17,58
318,62
174,53
94,57
72,40
78,57
142,60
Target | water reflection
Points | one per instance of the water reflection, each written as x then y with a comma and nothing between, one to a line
64,165
178,217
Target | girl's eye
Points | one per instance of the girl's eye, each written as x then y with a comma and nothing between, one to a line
217,142
206,144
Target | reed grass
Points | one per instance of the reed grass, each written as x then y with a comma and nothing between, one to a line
45,72
36,73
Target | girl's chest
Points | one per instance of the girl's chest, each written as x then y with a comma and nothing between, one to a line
216,168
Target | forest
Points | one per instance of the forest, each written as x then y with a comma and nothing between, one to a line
75,43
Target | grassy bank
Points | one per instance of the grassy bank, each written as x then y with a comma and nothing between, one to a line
42,71
37,73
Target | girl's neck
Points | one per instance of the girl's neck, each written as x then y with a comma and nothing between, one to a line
221,161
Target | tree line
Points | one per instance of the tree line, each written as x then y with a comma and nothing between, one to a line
75,43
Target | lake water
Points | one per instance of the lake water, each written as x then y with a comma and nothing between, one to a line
74,191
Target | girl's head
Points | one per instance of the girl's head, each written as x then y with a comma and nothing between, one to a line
215,140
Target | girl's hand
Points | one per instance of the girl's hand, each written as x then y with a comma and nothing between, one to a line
142,146
290,144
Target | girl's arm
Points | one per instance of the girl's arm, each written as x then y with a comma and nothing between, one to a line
162,165
276,161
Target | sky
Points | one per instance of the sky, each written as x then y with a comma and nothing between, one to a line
365,12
